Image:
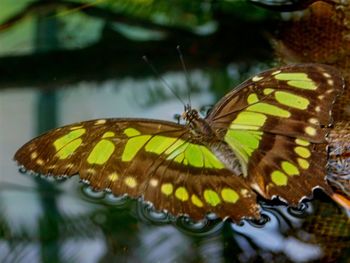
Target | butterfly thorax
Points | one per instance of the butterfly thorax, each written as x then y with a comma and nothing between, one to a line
205,135
198,126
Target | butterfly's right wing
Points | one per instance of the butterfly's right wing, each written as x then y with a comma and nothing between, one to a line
277,122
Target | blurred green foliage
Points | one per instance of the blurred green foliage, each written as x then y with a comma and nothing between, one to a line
82,23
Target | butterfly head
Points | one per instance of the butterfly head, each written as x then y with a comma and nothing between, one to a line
189,114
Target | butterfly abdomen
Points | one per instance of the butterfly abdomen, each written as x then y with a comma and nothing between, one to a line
225,154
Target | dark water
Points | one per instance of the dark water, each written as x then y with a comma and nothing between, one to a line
68,222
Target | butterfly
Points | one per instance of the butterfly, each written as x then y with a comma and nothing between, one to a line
267,137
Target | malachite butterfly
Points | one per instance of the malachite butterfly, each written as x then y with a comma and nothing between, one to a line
266,137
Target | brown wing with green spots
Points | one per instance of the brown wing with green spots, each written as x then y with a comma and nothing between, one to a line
160,161
290,174
277,123
296,100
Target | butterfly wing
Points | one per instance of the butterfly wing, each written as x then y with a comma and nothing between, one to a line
276,122
160,161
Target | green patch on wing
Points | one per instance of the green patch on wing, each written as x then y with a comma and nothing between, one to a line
175,149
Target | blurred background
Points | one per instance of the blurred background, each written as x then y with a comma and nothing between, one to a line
75,60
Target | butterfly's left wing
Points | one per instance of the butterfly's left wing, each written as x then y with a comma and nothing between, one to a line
157,160
276,122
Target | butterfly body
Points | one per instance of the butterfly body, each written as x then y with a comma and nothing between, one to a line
212,139
267,136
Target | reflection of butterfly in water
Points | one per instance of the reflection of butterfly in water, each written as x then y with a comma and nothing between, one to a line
265,136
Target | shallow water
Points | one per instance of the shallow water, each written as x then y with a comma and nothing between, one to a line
68,222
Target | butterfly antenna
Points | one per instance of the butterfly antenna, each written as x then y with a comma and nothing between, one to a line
166,84
178,48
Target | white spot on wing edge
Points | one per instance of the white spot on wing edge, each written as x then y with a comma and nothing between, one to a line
91,171
257,78
326,75
98,122
314,121
40,161
153,182
33,155
330,82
